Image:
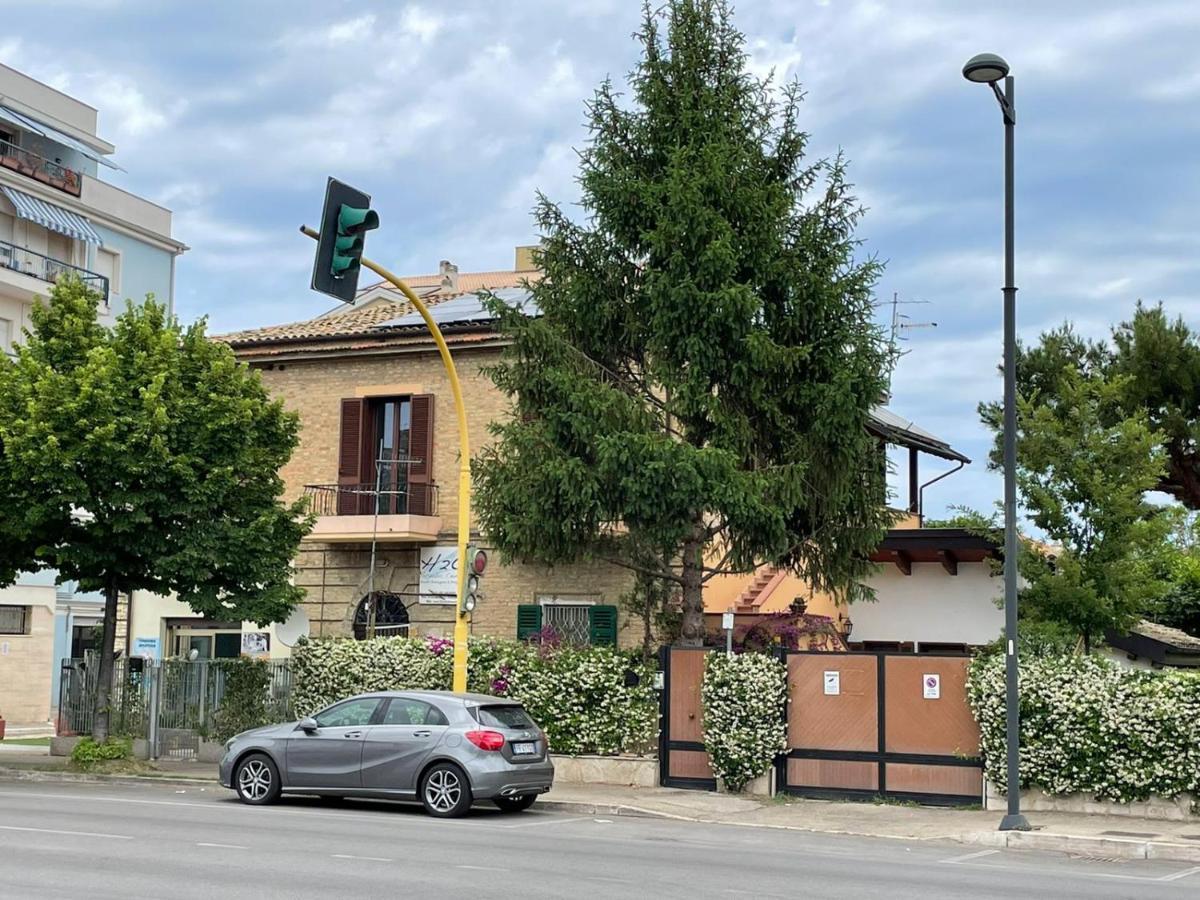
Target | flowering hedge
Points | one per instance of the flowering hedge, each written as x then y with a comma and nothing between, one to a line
584,698
744,730
1091,726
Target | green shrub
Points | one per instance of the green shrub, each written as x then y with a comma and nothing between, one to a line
1091,726
582,697
245,701
744,730
87,753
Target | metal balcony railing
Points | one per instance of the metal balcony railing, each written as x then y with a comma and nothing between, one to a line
40,169
47,268
363,500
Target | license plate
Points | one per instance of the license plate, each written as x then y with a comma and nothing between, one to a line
524,749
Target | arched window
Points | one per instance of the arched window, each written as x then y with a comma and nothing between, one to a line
391,616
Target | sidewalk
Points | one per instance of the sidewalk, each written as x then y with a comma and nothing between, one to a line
1081,835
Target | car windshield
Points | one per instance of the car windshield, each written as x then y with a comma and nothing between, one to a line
504,717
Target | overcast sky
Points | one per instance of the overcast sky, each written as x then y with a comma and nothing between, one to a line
451,114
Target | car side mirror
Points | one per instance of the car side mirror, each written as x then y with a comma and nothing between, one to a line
308,725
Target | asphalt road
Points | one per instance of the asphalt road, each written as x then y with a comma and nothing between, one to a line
79,840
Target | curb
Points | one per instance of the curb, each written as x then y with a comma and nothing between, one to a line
1088,845
14,774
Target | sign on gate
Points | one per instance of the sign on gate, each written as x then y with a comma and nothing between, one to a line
933,686
833,684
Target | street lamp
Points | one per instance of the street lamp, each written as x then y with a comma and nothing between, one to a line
988,68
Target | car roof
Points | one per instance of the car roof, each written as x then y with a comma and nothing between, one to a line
467,699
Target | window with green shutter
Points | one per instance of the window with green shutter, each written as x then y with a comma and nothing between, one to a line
529,620
602,625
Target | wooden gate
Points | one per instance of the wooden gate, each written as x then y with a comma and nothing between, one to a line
880,724
682,760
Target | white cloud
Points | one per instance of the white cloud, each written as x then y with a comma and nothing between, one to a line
422,25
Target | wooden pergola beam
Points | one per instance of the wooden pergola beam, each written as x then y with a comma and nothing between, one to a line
949,561
903,561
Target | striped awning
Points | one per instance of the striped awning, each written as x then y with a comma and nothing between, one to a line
53,217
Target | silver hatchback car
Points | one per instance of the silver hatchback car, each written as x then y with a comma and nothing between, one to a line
446,750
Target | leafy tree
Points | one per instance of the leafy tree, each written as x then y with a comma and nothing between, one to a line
1083,483
144,457
697,387
1158,362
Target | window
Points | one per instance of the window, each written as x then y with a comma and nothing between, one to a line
503,717
14,619
391,616
405,711
348,714
389,452
389,438
108,264
579,619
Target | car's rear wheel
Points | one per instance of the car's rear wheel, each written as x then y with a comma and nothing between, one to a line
515,804
257,780
445,792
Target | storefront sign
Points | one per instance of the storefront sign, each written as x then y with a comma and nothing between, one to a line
256,643
439,575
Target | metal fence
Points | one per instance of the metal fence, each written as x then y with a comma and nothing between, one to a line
173,704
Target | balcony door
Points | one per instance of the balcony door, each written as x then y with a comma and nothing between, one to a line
390,453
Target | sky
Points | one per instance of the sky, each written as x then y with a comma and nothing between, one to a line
452,114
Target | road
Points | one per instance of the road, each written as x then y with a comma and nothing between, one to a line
93,841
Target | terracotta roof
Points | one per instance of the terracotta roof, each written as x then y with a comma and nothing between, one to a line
361,321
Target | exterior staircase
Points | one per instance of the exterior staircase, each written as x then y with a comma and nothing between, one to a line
765,580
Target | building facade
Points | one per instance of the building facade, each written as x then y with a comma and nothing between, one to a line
59,216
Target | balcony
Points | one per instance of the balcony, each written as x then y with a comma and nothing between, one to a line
48,269
356,513
40,169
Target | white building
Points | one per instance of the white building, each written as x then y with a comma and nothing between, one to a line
58,215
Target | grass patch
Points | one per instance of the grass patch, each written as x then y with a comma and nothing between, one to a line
26,742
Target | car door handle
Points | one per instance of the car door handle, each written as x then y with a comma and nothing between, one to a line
422,733
352,734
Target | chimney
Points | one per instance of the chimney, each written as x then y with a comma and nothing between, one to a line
449,273
525,261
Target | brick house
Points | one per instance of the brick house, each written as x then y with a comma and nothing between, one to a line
376,413
374,404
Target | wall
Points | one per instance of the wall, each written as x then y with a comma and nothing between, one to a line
931,606
335,576
144,269
25,660
150,610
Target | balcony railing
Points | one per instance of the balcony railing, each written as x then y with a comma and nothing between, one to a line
40,169
363,500
47,268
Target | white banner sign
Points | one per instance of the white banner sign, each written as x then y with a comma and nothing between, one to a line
439,575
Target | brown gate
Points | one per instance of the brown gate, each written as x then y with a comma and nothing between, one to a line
880,724
682,760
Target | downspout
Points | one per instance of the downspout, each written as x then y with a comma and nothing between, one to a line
171,287
921,491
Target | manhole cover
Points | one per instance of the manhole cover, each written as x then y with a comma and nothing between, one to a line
1141,834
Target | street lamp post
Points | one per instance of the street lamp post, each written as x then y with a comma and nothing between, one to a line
988,68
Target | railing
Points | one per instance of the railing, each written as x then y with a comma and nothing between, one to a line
40,169
362,499
47,268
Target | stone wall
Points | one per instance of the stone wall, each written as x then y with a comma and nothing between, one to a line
1176,809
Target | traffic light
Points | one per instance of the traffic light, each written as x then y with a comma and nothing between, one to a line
476,563
344,222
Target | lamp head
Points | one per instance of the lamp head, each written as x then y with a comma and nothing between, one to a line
985,68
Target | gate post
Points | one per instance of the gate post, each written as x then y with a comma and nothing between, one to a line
664,714
152,673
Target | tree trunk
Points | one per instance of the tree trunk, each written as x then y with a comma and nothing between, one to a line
100,719
692,572
1087,644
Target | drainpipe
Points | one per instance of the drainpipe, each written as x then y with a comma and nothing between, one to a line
921,491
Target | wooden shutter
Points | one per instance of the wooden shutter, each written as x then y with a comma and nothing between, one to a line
351,449
529,620
420,448
602,625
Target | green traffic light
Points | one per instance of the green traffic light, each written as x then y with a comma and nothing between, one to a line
352,220
340,263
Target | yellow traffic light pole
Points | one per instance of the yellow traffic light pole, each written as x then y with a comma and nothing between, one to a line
461,629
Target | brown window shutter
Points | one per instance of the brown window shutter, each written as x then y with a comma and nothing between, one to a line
350,442
420,442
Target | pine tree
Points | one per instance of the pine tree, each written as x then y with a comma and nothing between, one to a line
693,398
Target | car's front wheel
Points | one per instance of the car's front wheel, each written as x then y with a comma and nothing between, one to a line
515,804
257,780
445,792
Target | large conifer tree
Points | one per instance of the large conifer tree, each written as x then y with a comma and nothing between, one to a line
693,398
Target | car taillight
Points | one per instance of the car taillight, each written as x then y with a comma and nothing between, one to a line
486,740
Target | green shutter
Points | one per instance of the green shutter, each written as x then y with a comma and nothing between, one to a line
602,622
529,620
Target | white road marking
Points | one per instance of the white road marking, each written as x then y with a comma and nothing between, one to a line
1194,870
366,858
223,846
976,855
95,834
1078,873
547,822
483,868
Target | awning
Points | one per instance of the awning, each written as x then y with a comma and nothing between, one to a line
47,131
53,217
